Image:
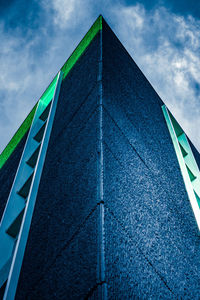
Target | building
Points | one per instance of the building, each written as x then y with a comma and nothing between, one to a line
105,201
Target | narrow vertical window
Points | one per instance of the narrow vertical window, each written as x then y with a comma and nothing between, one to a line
188,165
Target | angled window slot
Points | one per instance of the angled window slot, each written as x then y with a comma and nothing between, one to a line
14,228
33,159
23,192
177,128
45,113
183,150
39,135
197,197
191,175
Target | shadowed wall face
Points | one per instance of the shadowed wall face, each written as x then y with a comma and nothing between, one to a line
61,256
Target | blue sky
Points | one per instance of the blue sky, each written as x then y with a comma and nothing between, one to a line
163,37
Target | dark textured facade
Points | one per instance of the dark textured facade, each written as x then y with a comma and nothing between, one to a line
112,219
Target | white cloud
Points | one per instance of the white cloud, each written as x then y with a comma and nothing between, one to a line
166,47
68,13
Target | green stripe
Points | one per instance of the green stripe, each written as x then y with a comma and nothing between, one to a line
82,46
17,137
48,94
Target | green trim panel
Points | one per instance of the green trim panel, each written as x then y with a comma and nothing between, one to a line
48,94
96,27
76,54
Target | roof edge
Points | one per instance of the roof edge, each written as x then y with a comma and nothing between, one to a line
48,93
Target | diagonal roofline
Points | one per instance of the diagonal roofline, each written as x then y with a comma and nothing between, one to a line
48,93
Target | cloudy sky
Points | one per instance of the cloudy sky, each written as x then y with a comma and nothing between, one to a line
36,37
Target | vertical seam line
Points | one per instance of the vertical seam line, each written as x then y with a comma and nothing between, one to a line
100,170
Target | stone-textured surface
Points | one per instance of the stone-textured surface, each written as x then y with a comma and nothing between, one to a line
151,237
67,194
72,273
130,272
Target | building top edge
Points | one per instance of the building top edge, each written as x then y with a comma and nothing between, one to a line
48,93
